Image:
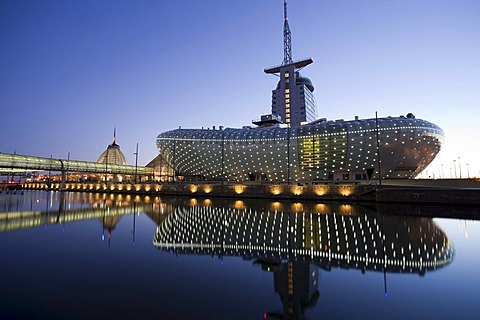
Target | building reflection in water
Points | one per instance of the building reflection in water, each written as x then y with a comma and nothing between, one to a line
292,240
41,209
295,241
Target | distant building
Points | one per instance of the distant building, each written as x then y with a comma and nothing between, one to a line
163,171
113,154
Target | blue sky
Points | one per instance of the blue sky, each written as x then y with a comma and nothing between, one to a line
72,70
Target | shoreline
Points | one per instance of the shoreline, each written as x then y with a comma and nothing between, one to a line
392,191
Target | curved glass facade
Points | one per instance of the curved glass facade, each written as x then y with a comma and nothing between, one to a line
330,150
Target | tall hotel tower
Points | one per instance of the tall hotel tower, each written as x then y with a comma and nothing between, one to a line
292,100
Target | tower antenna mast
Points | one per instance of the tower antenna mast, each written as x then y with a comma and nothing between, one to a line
287,37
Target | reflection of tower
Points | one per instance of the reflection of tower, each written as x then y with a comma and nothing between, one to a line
296,282
292,100
109,223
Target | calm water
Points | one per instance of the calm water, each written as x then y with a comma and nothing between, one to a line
91,256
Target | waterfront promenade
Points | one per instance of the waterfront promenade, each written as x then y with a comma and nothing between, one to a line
447,192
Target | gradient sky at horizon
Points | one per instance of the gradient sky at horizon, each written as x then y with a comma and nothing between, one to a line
71,71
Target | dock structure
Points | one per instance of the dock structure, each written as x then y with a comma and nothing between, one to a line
391,191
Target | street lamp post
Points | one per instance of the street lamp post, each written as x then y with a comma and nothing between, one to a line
68,159
136,163
459,168
223,157
174,155
455,167
106,168
378,150
49,172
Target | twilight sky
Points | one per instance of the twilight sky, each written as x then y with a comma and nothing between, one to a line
71,71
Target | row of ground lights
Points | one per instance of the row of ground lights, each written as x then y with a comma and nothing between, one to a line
238,189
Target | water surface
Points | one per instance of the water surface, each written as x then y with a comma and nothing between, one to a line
82,255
